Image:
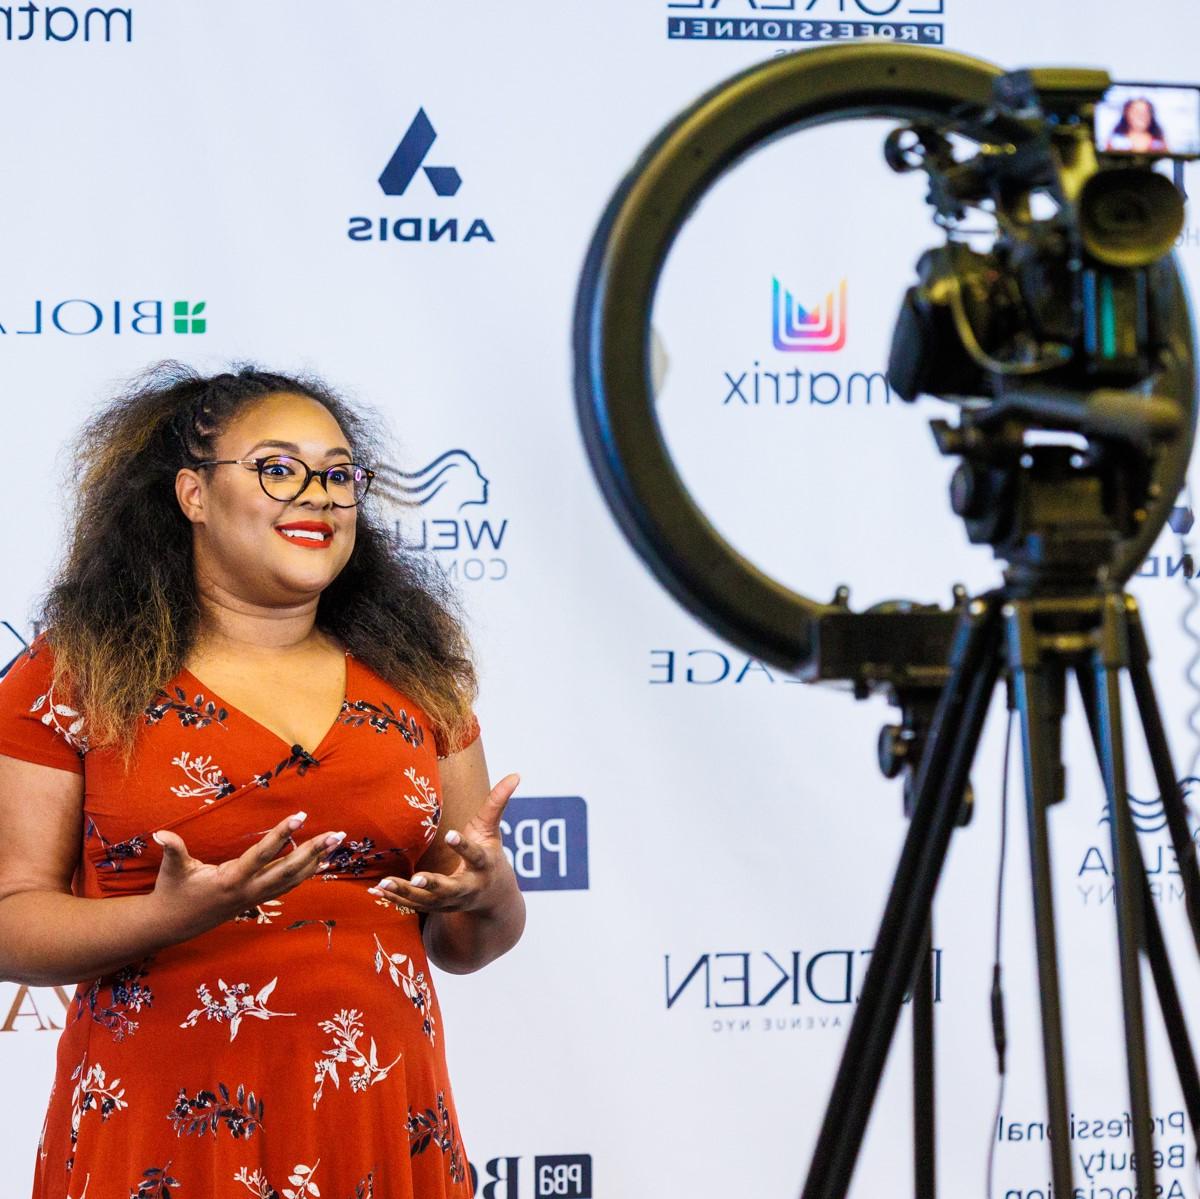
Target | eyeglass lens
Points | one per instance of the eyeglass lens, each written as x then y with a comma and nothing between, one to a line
283,478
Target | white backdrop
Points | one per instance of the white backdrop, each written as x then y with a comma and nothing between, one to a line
696,830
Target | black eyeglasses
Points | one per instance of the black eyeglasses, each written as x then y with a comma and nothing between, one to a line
284,478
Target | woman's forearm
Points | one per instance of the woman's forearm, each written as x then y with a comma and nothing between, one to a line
48,938
462,942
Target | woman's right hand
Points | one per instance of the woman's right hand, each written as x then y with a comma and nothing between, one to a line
195,896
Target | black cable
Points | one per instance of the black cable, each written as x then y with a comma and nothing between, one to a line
999,1033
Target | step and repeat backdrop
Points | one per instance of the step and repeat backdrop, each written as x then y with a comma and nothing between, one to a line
398,196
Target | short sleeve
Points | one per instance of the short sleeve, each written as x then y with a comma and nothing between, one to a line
34,725
469,734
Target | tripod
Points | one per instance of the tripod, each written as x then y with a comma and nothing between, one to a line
1054,616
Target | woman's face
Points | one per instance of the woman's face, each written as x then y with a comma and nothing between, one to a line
240,537
1138,115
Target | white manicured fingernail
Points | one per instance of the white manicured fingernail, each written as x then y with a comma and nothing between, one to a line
335,839
452,838
419,881
157,839
297,820
387,885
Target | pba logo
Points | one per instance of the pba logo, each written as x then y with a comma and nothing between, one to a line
64,23
546,842
806,991
798,329
407,163
446,493
1094,877
555,1176
82,317
806,21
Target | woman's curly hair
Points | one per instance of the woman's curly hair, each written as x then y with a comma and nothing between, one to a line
121,617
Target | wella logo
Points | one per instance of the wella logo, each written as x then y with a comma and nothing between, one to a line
407,160
466,546
796,329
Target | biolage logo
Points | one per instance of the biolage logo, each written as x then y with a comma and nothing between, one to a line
80,317
710,667
443,508
756,990
1094,875
796,329
65,23
409,168
917,22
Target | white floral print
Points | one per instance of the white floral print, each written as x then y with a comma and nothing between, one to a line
413,983
238,1002
64,720
301,1179
425,801
207,781
346,1031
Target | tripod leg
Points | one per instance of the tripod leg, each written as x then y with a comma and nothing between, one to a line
1109,657
938,794
1164,772
1039,697
1156,950
924,1122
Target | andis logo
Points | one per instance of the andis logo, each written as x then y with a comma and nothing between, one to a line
13,648
795,328
80,318
1167,566
410,154
468,546
402,169
546,840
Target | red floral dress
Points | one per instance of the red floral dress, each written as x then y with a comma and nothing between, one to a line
296,1050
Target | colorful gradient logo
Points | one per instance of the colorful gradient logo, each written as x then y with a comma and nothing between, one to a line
796,329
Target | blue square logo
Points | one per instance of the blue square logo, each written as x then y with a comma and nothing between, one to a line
546,840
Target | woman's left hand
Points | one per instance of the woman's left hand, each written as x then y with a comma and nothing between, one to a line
483,875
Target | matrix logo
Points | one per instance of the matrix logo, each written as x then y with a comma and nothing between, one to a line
797,329
546,842
467,546
1094,878
804,21
66,23
404,166
794,328
81,318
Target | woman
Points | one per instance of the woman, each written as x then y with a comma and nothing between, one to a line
1138,130
233,644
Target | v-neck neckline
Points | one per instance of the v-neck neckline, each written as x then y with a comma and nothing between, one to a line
217,698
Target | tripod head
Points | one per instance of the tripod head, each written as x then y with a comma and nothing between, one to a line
1072,326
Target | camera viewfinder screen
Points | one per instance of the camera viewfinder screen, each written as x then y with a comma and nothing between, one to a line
1136,118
